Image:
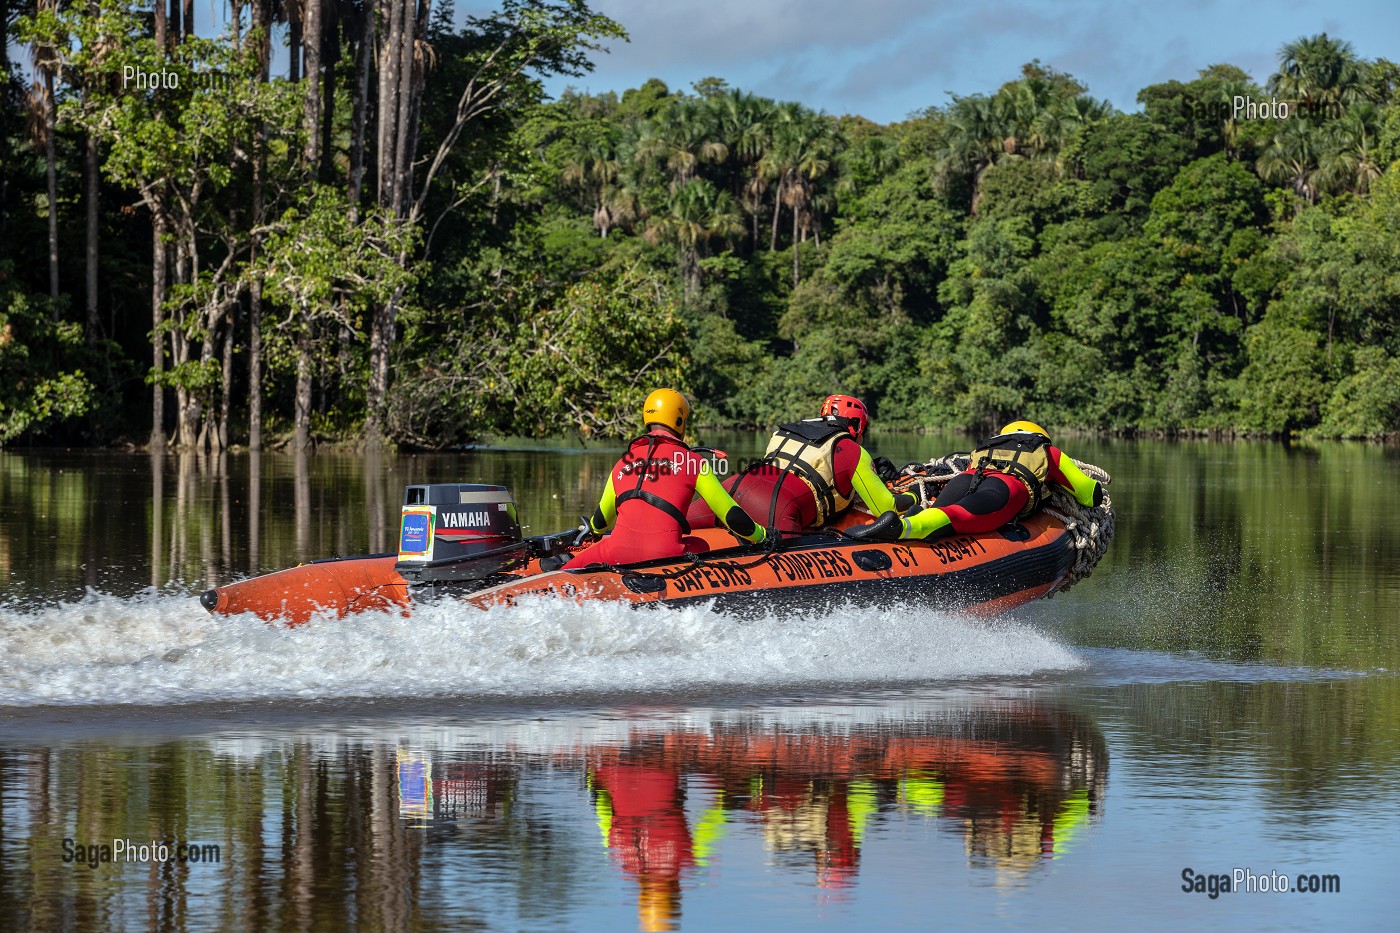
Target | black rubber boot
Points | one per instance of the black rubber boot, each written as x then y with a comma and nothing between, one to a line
885,528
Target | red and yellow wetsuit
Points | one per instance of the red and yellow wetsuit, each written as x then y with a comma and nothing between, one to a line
806,498
643,811
971,505
645,500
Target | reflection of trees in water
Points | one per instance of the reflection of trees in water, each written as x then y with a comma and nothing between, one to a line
307,838
1253,549
1313,747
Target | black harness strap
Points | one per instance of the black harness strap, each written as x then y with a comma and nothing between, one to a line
808,433
1013,467
646,495
796,464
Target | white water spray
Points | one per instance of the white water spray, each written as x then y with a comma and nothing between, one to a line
158,649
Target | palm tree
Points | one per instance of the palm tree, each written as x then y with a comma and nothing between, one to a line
681,137
43,131
744,122
1318,72
1227,91
1349,161
592,167
696,213
1292,158
804,148
978,136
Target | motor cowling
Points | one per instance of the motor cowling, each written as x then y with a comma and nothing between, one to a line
457,531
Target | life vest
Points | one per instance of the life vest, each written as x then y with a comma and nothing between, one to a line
656,483
808,449
1022,455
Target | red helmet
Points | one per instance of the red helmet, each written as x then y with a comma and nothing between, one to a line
848,407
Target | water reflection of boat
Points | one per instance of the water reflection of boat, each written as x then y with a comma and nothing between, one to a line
464,541
1016,779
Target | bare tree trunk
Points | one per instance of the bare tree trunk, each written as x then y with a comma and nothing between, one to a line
189,18
4,142
777,209
158,275
173,31
330,57
255,399
396,137
51,158
403,159
413,84
301,439
293,41
795,245
162,36
226,385
186,402
311,113
91,194
389,60
357,120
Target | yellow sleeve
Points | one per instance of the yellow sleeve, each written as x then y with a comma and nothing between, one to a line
606,513
873,492
1082,486
726,509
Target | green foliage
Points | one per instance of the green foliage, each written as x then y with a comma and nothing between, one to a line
34,348
1366,403
1282,386
586,365
1021,252
579,360
1127,159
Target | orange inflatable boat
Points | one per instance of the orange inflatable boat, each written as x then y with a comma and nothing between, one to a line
463,541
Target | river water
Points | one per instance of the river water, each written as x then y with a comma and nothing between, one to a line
1221,695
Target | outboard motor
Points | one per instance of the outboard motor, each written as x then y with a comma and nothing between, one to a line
457,531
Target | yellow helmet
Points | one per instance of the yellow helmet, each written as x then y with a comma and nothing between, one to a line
1025,427
668,408
658,904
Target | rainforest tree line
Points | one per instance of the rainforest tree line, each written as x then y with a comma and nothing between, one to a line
363,220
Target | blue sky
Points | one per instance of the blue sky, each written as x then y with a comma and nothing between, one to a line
885,59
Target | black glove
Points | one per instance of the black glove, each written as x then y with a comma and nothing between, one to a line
885,469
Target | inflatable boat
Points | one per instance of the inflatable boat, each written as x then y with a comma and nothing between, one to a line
463,541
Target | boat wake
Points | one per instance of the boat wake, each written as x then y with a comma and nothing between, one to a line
162,649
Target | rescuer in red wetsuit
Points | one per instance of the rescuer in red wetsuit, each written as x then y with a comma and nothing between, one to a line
650,488
642,810
810,472
1007,478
